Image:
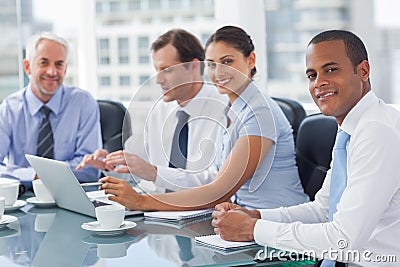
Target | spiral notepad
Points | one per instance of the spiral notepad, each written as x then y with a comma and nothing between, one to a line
178,215
179,224
215,241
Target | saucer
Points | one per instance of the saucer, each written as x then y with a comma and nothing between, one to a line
16,206
41,204
6,219
96,228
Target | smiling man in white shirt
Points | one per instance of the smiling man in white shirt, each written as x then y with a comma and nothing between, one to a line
365,228
177,58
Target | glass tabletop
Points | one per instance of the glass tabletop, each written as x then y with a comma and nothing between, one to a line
54,237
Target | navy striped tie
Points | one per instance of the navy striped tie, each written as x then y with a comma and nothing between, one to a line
45,143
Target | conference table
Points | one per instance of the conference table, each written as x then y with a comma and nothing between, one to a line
52,236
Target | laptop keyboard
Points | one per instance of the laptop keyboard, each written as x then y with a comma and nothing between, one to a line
97,203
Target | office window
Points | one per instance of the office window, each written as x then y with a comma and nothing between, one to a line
115,6
174,4
289,26
99,7
197,3
143,78
103,51
104,44
104,81
104,60
144,59
143,42
124,80
123,50
143,49
123,60
134,4
154,4
8,83
10,76
123,43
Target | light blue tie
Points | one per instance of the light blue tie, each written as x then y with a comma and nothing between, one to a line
338,178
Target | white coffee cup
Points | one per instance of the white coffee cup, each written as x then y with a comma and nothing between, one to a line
2,206
41,192
110,216
9,190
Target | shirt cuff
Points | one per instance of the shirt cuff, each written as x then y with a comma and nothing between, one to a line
265,233
162,176
273,215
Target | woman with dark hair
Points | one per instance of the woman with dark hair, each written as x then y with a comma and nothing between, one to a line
256,160
257,125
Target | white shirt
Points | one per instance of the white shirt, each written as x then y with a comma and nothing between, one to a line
206,111
368,214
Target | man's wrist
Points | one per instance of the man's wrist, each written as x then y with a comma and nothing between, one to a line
255,214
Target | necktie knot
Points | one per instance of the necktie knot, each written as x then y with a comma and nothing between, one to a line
45,111
341,139
182,116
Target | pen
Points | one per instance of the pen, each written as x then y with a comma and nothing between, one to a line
91,184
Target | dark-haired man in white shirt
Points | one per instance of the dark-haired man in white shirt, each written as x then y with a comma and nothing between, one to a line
366,225
178,59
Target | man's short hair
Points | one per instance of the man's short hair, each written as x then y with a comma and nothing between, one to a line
355,48
33,42
187,45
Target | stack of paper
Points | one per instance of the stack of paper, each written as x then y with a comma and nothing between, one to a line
178,215
215,241
178,219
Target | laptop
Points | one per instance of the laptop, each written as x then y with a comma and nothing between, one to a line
65,188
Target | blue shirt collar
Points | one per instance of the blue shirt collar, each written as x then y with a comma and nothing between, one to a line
242,101
34,103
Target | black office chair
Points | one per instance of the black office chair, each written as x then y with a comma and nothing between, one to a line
115,124
294,112
315,140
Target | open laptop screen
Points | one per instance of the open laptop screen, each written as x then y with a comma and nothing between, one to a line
64,187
